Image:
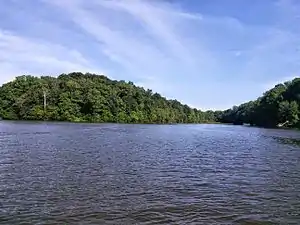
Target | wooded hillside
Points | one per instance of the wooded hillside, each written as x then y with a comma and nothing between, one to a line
81,97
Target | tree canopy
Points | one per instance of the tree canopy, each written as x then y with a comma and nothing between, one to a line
79,97
276,107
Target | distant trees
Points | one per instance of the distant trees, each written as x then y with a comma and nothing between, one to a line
280,105
91,98
88,97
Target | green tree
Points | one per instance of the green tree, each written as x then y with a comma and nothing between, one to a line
288,112
90,98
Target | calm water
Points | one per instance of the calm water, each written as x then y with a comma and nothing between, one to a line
55,173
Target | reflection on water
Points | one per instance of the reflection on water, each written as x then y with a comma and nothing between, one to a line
60,173
289,141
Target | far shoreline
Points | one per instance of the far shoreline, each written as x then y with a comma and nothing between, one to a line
87,122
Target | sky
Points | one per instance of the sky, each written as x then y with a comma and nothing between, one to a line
209,54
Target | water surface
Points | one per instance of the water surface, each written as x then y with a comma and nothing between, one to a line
61,173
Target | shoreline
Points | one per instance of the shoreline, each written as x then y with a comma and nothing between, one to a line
87,122
98,123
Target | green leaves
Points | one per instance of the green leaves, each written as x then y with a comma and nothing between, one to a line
277,107
288,112
91,98
88,97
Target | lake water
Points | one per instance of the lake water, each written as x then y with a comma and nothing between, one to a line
61,173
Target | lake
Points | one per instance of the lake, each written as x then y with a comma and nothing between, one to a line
63,173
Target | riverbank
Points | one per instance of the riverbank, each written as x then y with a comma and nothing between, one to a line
102,122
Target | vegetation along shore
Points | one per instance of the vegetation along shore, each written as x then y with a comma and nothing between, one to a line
78,97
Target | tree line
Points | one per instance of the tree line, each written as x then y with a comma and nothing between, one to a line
278,106
79,97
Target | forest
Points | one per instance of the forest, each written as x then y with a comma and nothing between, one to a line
78,97
277,107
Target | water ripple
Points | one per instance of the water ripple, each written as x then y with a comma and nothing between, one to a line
60,173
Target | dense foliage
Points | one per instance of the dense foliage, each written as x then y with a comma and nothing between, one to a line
91,98
277,107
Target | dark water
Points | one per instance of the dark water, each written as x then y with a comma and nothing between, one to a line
53,173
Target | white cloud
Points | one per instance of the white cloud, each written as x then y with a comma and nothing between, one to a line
21,55
237,53
158,21
144,36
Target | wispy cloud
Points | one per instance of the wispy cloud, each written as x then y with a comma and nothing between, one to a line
140,35
159,22
21,55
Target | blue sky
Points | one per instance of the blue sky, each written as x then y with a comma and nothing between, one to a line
210,54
